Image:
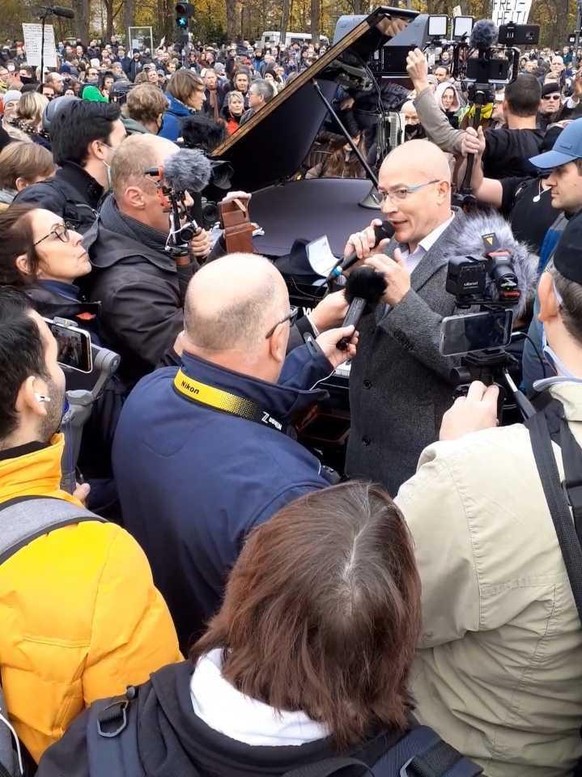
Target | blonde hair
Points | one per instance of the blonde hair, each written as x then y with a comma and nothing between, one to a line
31,107
145,103
24,160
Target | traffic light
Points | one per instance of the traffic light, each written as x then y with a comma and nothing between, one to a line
183,13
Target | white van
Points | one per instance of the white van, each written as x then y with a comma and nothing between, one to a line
273,38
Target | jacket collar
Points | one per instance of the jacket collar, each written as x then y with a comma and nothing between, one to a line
283,402
90,191
36,472
110,240
178,108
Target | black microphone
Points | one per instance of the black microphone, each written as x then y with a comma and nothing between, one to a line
484,34
364,289
59,10
187,170
382,231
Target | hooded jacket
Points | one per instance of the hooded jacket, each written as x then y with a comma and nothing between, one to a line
193,481
79,614
140,288
172,740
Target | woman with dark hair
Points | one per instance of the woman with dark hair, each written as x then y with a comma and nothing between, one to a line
307,660
40,255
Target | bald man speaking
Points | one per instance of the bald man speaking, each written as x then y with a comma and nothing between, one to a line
399,384
203,453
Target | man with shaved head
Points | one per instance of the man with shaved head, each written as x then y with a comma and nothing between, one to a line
205,452
399,384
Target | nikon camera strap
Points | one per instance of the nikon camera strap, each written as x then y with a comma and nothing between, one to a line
210,396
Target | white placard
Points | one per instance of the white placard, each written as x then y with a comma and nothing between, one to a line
505,11
32,43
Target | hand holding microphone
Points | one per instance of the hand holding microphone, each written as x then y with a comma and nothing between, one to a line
361,244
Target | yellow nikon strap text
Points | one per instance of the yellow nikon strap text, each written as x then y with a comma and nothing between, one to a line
203,394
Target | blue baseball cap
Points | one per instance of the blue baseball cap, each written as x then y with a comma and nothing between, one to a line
567,148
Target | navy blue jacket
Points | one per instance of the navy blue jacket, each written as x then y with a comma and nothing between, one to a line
194,480
173,118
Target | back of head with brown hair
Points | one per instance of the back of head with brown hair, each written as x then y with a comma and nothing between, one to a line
322,612
145,102
183,83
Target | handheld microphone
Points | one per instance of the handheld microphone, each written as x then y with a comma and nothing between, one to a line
484,34
187,170
59,10
364,289
382,231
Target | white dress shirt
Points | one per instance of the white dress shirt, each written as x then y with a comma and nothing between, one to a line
413,259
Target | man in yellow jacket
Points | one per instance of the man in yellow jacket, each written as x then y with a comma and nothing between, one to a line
80,618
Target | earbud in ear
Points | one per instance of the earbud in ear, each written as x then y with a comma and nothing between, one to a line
42,398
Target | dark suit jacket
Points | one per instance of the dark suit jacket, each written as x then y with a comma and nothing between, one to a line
400,384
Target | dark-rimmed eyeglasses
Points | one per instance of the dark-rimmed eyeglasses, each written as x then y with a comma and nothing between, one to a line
291,317
59,231
552,97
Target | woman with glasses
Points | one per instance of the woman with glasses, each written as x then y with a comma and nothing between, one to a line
39,254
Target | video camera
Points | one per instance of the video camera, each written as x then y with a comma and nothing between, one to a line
489,281
188,171
484,55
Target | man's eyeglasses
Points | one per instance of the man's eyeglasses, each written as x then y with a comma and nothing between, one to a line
291,317
59,231
402,192
552,97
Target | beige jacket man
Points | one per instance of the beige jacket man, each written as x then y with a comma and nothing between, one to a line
499,670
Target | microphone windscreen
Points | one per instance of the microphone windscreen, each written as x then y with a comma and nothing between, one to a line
187,170
365,283
484,34
66,13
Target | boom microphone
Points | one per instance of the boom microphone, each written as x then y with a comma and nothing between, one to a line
363,291
383,231
187,170
59,10
484,34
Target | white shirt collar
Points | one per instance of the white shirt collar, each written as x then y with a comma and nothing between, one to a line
427,242
239,717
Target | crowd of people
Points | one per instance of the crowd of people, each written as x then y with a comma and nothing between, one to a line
221,601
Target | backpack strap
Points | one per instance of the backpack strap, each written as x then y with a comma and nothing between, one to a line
435,762
555,492
22,522
112,746
347,767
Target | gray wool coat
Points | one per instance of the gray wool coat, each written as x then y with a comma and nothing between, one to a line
400,384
